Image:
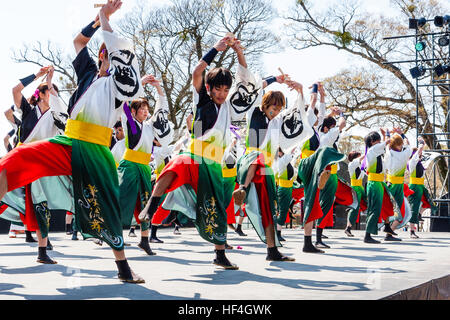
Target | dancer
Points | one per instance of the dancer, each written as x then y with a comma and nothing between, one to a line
314,169
421,198
43,117
134,170
84,151
335,190
284,177
396,160
194,179
356,176
269,128
379,203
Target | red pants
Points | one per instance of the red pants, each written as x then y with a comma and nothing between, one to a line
186,172
29,162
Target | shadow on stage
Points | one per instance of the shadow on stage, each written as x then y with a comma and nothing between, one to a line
219,277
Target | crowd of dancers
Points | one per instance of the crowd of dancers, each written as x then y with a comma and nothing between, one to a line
110,161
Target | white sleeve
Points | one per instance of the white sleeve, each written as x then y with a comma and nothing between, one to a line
413,162
352,166
162,128
311,117
281,164
388,160
56,104
377,150
291,127
329,138
125,81
245,95
321,114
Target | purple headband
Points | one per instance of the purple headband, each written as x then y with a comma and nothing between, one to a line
127,111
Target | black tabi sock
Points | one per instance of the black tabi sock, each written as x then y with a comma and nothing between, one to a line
28,235
308,241
144,240
319,234
273,251
42,252
154,229
220,254
124,269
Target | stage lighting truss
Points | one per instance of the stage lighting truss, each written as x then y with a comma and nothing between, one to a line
443,41
440,69
417,72
440,21
431,73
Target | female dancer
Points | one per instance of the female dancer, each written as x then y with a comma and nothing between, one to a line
134,170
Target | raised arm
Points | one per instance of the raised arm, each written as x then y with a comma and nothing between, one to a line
83,38
279,79
162,129
9,114
197,75
17,90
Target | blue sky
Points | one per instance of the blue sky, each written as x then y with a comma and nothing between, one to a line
24,22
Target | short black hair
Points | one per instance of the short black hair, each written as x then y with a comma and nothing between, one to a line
328,122
118,125
218,77
371,138
353,155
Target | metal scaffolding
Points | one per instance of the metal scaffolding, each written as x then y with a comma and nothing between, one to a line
439,121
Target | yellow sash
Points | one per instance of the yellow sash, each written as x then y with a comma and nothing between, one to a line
419,181
307,153
395,180
207,150
378,177
137,157
357,182
229,173
334,169
89,132
285,183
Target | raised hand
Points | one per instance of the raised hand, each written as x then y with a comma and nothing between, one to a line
150,79
42,71
283,78
111,7
222,44
293,85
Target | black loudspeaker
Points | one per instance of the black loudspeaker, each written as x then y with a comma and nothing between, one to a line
441,224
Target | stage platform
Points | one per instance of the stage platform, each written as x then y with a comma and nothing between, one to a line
183,269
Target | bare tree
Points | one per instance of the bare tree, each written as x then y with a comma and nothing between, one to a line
171,40
381,92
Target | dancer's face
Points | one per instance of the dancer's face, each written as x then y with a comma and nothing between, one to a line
218,94
142,114
45,96
398,147
272,111
119,133
325,129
